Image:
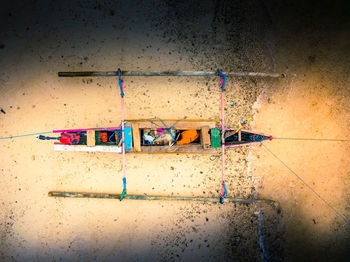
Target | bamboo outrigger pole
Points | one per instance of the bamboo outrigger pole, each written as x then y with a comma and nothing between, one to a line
167,73
152,197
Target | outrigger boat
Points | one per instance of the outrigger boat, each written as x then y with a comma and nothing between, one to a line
169,136
158,136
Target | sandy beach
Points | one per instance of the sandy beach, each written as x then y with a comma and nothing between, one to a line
308,44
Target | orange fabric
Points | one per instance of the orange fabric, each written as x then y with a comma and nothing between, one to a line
188,136
103,137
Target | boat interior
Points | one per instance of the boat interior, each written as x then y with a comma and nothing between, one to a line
168,136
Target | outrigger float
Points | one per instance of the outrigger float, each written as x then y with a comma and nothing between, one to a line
164,136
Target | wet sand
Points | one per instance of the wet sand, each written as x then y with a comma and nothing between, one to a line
38,40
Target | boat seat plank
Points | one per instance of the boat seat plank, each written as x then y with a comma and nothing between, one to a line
205,137
90,135
136,137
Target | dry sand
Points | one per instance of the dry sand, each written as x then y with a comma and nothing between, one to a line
39,39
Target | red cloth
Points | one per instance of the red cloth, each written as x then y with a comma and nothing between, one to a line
69,139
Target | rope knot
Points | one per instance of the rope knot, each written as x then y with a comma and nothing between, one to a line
223,193
121,81
223,79
124,189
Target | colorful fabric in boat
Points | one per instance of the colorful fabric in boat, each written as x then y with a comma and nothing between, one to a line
188,136
69,139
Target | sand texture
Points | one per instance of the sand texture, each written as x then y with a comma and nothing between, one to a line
308,43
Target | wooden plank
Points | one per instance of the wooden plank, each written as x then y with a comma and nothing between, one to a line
205,137
181,125
179,149
239,136
90,135
136,137
230,133
117,139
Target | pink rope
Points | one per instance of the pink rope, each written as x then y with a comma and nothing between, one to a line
123,134
222,141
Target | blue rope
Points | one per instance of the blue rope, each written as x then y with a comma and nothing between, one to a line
165,126
223,77
41,137
222,198
120,83
168,129
163,123
173,126
109,139
10,137
124,189
225,193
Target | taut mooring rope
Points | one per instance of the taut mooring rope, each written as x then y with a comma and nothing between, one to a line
312,139
35,134
306,184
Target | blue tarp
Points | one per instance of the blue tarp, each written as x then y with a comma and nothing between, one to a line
128,137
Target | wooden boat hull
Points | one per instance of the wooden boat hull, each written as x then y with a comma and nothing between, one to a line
207,143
